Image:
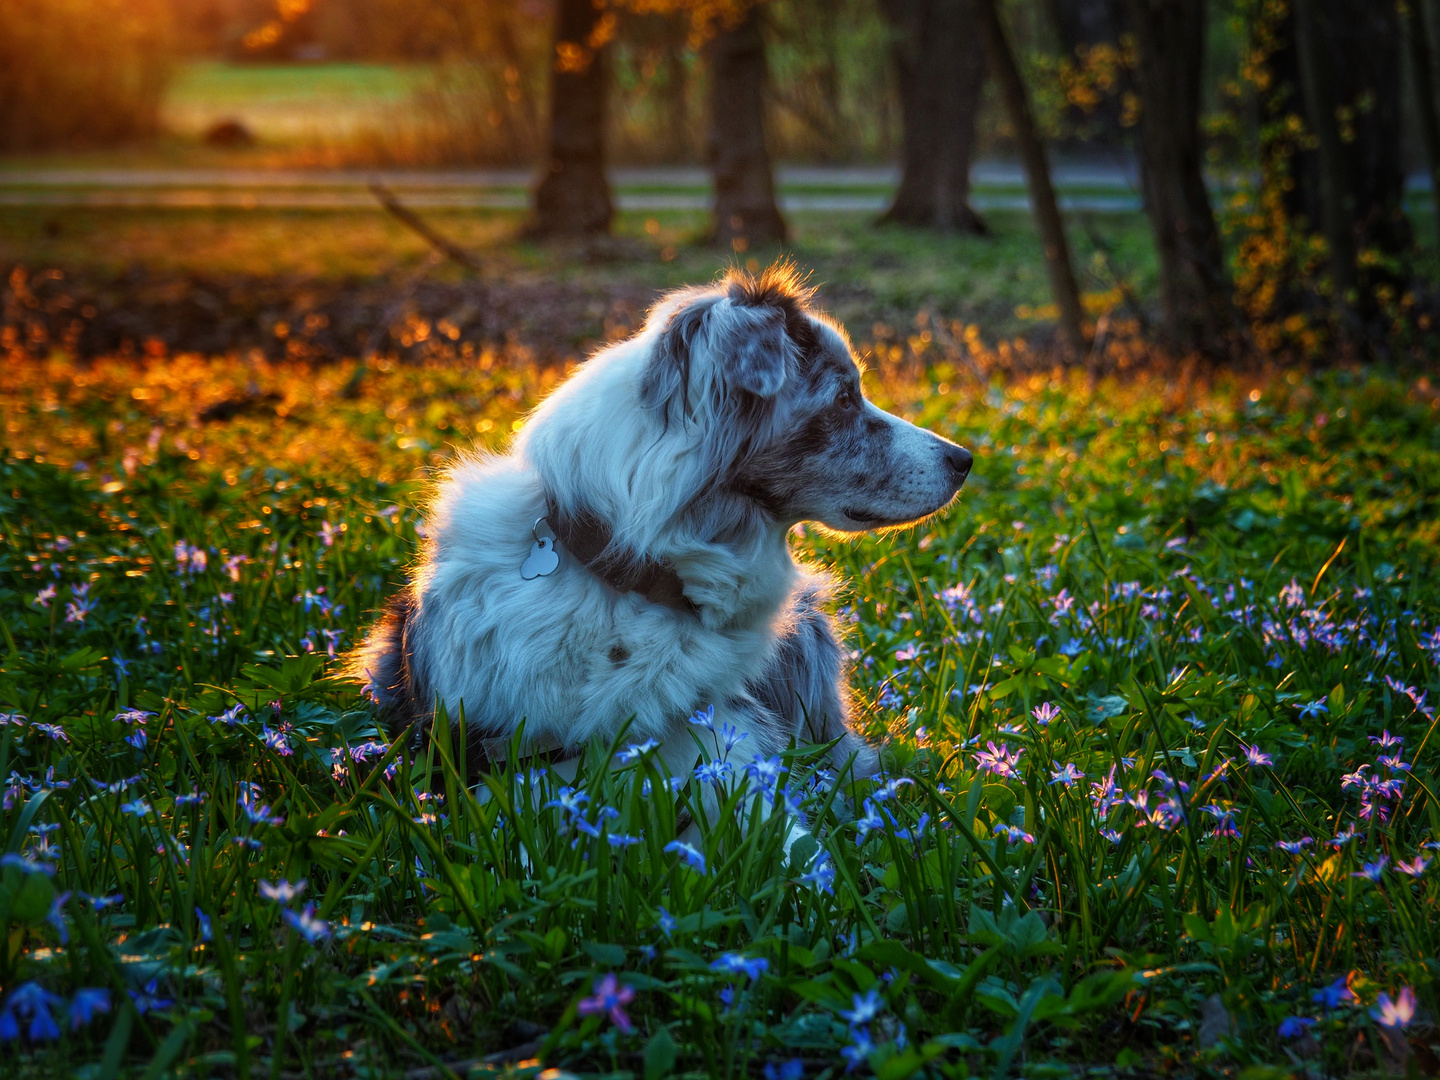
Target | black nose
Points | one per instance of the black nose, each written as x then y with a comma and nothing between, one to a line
959,459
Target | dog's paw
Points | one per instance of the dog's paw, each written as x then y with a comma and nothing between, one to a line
866,758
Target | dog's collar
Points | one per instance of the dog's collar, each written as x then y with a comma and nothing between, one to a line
587,537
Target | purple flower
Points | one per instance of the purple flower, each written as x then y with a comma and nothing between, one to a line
1385,740
1014,835
1398,1013
275,740
1414,869
740,964
54,731
1255,757
610,999
306,924
45,595
999,760
1045,713
1295,847
693,857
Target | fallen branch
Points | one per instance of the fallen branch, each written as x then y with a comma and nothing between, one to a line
412,221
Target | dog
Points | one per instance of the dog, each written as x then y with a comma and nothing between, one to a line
628,559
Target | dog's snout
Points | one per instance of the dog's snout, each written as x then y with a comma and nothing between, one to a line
959,459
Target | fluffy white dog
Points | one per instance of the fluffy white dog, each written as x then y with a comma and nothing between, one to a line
628,559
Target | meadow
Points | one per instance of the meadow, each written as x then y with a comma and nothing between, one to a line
1159,788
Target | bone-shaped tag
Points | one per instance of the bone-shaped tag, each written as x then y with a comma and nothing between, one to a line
544,557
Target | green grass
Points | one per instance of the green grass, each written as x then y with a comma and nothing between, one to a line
1250,565
868,274
288,103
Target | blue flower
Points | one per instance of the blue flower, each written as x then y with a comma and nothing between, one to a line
1333,996
694,858
567,800
1372,871
714,772
666,922
137,738
56,918
1313,708
821,875
621,839
740,964
1292,1027
306,924
794,1069
859,1050
147,1000
635,751
86,1003
1067,775
765,772
868,822
864,1008
704,718
732,737
30,1000
203,921
282,892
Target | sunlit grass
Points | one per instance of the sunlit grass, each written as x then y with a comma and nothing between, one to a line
1208,600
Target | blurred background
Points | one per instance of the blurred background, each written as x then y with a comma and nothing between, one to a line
1228,179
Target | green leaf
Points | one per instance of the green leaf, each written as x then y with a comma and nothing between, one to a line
604,955
659,1055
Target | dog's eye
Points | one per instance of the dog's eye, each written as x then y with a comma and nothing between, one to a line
845,399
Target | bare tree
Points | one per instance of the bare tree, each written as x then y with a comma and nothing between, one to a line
573,198
745,208
939,61
1037,175
1195,293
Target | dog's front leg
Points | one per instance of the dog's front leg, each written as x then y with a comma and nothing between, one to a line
734,747
805,684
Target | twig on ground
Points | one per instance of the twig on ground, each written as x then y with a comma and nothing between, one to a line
412,221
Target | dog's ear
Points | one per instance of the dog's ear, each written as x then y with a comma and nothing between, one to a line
667,376
755,352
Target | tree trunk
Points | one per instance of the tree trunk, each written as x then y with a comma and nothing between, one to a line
1037,175
573,198
745,210
939,60
1338,66
1195,294
1422,66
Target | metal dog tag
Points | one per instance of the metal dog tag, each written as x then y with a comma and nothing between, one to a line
544,557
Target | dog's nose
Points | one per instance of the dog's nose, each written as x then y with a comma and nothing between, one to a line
959,459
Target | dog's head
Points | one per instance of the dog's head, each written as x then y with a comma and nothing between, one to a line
770,390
